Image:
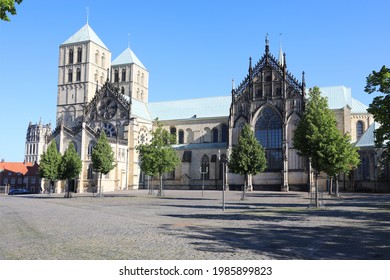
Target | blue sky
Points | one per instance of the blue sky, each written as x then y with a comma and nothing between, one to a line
191,48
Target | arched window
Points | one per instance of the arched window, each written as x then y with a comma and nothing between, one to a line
224,135
215,135
142,79
70,56
123,75
206,135
91,145
70,75
78,75
103,60
116,76
205,167
79,55
359,129
181,137
365,168
190,135
138,75
173,132
97,57
268,131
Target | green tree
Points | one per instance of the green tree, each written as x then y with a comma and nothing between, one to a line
70,166
248,156
342,157
102,158
380,106
8,6
159,157
316,134
49,164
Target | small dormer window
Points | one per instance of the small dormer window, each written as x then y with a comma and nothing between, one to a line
70,56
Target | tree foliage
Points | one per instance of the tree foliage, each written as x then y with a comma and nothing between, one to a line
159,157
102,158
248,156
49,163
8,6
70,166
317,138
380,107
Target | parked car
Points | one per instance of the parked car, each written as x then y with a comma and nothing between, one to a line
18,191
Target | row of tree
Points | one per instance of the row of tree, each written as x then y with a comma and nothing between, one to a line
54,166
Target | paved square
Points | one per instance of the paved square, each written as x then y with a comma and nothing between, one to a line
134,225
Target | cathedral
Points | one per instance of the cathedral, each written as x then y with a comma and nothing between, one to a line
99,94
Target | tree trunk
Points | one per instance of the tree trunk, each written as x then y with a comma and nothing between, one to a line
243,197
68,191
331,186
316,190
100,185
160,188
337,187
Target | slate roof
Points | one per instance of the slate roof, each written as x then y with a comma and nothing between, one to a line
85,34
368,137
127,57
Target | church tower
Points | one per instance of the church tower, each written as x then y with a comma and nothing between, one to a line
83,63
130,76
36,141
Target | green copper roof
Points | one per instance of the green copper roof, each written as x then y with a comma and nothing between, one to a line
368,137
127,57
341,96
85,34
210,107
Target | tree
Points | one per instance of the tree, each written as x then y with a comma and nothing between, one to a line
102,158
342,157
248,156
49,164
159,157
316,135
70,166
8,6
380,106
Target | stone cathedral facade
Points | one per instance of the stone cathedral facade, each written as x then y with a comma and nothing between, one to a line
97,94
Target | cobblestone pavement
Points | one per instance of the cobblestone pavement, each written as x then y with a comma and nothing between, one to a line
182,225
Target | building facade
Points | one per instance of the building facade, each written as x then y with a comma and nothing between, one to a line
98,95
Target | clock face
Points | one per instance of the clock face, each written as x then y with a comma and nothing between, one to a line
107,108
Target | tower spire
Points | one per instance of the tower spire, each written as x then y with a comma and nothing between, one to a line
281,56
266,43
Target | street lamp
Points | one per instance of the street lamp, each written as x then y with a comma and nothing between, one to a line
203,173
223,160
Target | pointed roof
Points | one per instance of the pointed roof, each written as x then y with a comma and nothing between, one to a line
85,34
127,57
368,137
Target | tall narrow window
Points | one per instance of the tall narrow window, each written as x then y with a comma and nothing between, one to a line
359,129
123,90
181,137
79,55
103,60
205,167
138,75
78,75
123,75
173,132
97,57
268,131
224,133
70,56
215,135
116,76
142,79
70,76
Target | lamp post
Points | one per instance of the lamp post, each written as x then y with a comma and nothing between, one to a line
223,178
203,173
